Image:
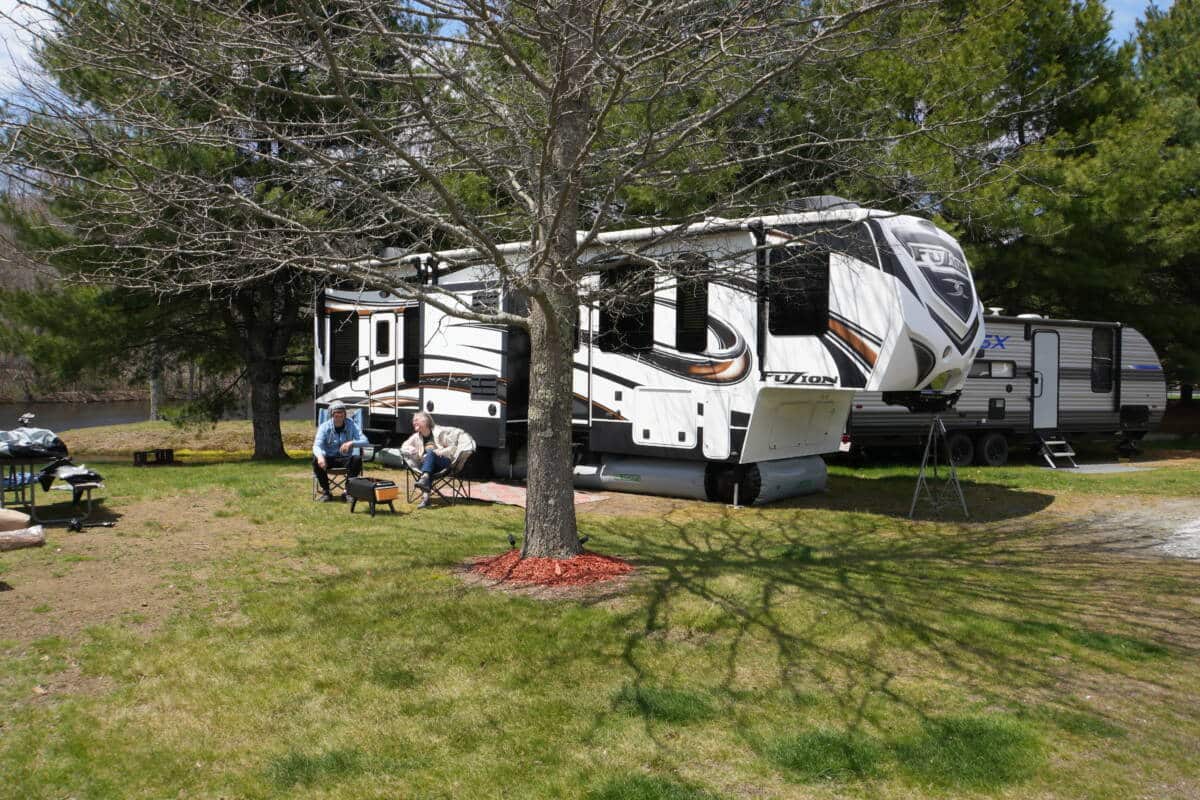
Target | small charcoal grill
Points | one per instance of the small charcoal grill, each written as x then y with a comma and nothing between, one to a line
372,491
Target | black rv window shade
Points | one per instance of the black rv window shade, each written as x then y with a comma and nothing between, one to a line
412,344
691,304
343,344
383,337
626,308
797,289
1102,359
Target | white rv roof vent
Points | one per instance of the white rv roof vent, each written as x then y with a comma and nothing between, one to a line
995,311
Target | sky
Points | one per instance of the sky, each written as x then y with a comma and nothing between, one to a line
13,49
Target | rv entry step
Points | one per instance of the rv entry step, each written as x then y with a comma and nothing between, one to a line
1054,449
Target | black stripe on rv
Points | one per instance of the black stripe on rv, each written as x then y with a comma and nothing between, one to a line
848,351
964,343
850,375
887,259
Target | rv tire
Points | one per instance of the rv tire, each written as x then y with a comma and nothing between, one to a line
961,448
992,450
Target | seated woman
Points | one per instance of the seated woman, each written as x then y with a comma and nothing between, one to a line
432,448
335,446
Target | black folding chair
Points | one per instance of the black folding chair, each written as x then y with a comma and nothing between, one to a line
448,484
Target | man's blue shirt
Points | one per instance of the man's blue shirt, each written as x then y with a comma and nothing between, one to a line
329,439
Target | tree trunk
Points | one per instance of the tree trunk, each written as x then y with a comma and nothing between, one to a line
550,530
156,385
263,318
1185,393
264,378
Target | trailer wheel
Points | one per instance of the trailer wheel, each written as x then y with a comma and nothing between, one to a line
962,449
992,450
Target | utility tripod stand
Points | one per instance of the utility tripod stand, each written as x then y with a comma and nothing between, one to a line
944,494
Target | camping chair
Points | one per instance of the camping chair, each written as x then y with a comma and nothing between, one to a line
336,475
448,484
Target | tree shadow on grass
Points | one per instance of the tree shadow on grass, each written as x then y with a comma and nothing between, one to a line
892,496
854,609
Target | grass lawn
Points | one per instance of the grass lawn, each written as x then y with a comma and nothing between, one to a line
231,639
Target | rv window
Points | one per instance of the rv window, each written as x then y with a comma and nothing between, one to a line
691,305
383,336
627,310
343,344
1102,360
1004,369
412,344
798,291
993,369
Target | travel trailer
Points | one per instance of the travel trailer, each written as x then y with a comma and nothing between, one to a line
1036,382
725,383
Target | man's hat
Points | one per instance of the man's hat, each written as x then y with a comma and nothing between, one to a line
337,405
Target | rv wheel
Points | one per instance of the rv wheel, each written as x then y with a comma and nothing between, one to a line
992,450
962,449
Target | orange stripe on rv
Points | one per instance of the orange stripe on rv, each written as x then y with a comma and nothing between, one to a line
853,341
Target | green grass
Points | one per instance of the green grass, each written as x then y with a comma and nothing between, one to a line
822,647
826,755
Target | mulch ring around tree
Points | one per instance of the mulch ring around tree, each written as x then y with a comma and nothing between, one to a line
585,576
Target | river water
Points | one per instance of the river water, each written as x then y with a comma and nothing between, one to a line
65,416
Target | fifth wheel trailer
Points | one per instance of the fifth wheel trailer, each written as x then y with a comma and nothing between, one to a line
736,382
1034,378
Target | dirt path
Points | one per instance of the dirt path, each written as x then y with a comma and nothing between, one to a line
138,572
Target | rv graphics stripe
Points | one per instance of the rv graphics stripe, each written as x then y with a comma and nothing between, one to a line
963,344
849,352
863,351
728,364
849,374
854,326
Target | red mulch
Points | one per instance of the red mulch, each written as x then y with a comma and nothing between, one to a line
580,570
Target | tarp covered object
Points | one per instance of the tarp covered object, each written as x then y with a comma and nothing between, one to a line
31,443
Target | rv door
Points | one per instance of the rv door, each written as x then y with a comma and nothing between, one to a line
385,329
1045,380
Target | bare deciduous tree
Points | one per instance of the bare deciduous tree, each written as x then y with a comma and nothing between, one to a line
451,124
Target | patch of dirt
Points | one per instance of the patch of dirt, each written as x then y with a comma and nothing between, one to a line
234,436
154,562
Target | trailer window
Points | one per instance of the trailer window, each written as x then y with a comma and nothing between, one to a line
627,309
691,304
993,369
383,337
1102,359
343,344
797,289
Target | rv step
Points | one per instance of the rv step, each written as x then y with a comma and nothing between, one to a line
1053,450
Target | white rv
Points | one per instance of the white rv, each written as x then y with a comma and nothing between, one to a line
1037,382
733,383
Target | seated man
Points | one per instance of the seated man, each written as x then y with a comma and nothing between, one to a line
432,448
334,447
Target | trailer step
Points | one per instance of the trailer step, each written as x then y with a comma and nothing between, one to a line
1053,450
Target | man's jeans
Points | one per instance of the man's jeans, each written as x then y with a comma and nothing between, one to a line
352,463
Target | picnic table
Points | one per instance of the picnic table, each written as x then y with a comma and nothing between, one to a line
19,485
